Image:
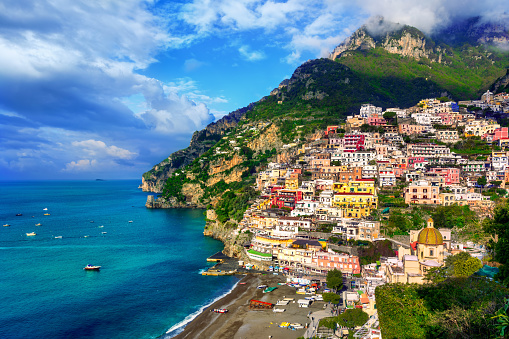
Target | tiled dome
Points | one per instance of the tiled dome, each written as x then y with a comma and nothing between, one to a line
430,236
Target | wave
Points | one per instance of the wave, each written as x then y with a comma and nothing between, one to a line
179,327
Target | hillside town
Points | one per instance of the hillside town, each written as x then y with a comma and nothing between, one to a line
322,201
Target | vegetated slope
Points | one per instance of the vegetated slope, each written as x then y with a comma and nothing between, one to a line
465,68
394,70
201,141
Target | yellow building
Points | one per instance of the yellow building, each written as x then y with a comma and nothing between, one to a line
292,182
356,186
355,205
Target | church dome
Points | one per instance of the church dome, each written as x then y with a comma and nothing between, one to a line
430,236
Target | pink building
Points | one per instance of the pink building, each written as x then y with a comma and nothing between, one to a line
376,121
353,142
501,133
451,175
326,261
415,160
447,118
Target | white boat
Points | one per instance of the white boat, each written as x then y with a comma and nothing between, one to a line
45,209
278,310
100,226
31,234
103,232
130,221
38,224
220,310
58,237
7,225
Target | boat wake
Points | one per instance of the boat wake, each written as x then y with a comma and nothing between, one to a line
179,327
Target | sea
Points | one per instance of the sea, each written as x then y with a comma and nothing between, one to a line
149,285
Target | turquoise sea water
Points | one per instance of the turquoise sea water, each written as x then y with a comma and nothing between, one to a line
150,279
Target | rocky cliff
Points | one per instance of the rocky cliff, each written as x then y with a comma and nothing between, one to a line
410,42
201,141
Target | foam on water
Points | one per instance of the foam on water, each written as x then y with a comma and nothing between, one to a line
177,328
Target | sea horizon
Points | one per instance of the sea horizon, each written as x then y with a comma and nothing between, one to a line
150,283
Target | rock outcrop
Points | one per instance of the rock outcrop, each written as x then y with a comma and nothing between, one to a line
201,141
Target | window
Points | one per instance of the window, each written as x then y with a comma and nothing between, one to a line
431,252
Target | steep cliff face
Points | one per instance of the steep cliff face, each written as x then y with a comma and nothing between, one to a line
410,42
201,141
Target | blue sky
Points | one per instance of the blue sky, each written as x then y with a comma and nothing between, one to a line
106,89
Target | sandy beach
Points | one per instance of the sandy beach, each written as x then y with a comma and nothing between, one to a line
241,322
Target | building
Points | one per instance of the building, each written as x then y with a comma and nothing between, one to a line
451,175
422,192
447,136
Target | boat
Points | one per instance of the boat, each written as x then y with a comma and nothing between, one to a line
47,214
100,226
6,225
103,232
92,268
242,283
130,221
58,237
45,209
220,310
31,234
19,215
38,224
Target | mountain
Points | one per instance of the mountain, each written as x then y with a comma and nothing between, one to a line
385,64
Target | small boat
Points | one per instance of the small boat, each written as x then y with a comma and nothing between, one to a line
31,234
104,232
100,226
39,224
242,283
47,214
130,221
91,221
220,310
58,237
19,215
7,225
92,268
45,209
85,236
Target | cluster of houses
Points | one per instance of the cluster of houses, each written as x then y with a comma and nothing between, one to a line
330,186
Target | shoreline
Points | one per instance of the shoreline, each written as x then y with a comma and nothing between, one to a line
243,322
180,326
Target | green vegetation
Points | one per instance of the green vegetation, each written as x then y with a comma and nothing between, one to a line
351,318
331,298
461,265
465,71
455,308
335,279
498,226
374,251
453,216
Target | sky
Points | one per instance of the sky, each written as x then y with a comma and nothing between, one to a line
107,89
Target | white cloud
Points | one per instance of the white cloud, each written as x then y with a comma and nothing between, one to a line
83,165
99,148
251,55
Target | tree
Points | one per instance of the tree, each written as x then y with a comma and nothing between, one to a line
352,318
463,264
495,183
482,181
332,298
497,226
335,279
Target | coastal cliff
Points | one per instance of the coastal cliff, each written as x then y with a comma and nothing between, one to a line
201,141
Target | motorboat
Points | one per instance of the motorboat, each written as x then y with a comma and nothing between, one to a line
19,215
47,214
130,221
92,268
7,225
58,237
220,310
31,234
45,209
38,224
